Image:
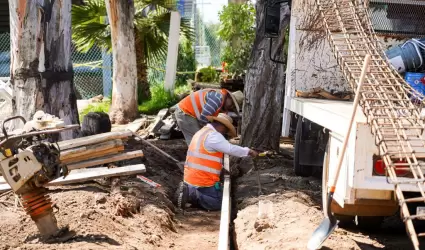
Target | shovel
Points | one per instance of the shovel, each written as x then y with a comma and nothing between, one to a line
329,223
179,164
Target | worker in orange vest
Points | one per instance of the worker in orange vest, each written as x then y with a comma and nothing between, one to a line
191,112
204,163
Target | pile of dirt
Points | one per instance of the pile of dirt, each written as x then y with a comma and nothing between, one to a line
296,212
117,213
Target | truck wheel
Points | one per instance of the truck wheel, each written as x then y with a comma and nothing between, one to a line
344,220
300,170
369,223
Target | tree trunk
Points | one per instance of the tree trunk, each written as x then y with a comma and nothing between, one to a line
264,86
41,68
124,89
144,93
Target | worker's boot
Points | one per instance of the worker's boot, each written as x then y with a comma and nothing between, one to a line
182,195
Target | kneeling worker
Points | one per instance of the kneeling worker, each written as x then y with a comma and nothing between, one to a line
204,162
191,112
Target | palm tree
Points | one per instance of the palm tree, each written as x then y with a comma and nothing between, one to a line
151,27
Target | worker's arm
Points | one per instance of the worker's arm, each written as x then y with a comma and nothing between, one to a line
213,103
216,142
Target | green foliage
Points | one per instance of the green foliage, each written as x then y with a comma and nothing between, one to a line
161,98
208,74
89,25
151,20
237,22
183,89
185,62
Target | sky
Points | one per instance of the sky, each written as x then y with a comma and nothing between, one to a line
210,9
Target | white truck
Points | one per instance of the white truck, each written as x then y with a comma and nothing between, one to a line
362,192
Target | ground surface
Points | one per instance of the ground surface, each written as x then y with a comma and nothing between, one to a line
128,214
296,213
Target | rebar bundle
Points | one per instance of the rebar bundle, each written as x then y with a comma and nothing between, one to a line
386,98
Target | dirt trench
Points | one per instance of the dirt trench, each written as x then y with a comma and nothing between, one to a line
296,212
125,213
117,213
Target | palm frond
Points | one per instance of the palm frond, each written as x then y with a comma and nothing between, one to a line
152,22
89,25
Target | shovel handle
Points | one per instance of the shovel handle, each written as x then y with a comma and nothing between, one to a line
350,125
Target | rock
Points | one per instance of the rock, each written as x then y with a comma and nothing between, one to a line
100,198
262,224
86,214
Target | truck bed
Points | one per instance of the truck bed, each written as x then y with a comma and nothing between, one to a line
330,114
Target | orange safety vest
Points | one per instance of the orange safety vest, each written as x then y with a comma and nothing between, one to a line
194,103
202,168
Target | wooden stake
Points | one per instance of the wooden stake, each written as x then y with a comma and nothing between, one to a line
106,159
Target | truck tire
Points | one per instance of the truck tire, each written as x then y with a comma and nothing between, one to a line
344,220
300,170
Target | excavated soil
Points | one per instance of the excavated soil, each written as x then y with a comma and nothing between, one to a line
296,212
117,213
125,213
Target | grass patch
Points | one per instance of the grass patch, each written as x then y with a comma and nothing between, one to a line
160,99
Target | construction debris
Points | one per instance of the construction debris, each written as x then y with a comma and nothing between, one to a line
320,93
148,181
163,127
96,150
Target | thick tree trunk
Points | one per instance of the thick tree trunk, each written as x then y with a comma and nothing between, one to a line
124,90
144,93
41,68
264,86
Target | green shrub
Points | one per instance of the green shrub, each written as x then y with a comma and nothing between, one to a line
208,74
160,99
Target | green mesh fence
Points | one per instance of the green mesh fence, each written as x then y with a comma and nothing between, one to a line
93,70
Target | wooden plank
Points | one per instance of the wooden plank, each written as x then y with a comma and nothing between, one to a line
96,173
90,149
64,145
98,161
91,174
102,153
136,125
223,238
106,159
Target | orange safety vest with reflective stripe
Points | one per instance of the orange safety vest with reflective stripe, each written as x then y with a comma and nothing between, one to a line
194,103
202,168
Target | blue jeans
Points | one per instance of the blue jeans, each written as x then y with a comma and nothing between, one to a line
209,198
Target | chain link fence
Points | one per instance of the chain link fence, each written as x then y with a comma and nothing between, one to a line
208,46
93,70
